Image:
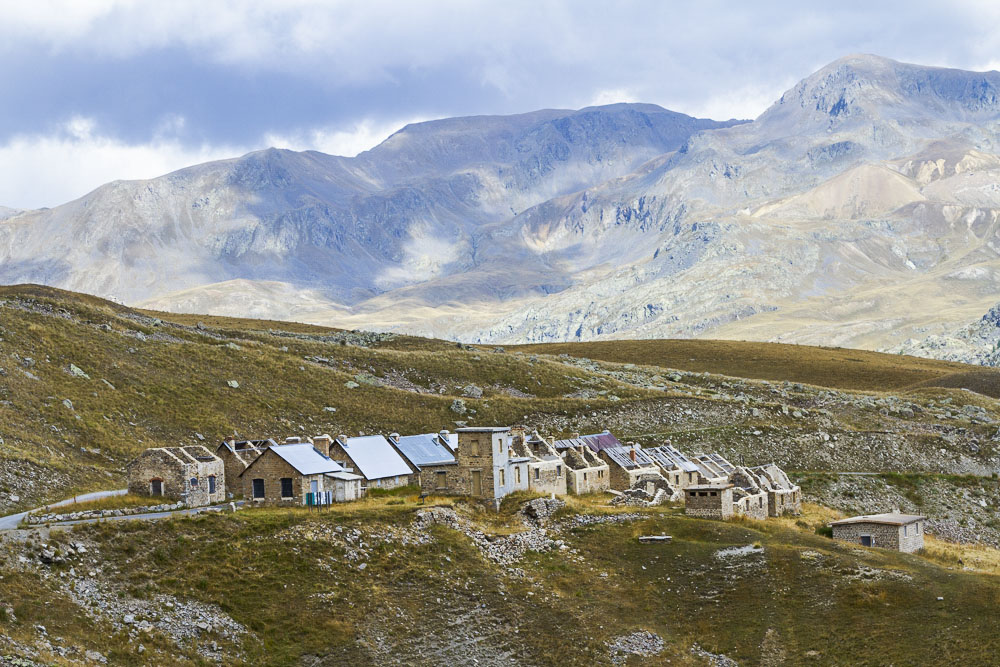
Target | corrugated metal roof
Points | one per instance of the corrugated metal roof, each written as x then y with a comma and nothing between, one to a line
623,457
375,457
569,443
425,449
599,441
306,459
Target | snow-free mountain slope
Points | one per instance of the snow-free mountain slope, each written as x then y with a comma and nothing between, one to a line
860,209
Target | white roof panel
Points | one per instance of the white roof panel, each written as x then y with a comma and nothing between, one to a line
306,459
375,457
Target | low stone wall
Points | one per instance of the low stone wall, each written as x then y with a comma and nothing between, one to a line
100,514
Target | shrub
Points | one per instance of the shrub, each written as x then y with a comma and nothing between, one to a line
824,530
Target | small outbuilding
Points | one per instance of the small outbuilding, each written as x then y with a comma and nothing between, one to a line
709,501
192,475
899,532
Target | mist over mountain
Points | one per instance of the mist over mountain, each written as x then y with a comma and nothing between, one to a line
860,209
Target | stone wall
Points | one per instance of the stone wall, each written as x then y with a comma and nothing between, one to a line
431,480
883,536
784,501
588,480
547,477
709,503
235,462
753,506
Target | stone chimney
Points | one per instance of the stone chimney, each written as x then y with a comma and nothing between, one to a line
394,437
574,436
293,440
342,438
631,454
322,443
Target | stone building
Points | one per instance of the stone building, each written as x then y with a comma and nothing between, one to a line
297,474
192,475
487,465
899,532
749,497
546,469
783,497
627,465
374,458
585,471
713,468
236,455
433,459
709,501
678,469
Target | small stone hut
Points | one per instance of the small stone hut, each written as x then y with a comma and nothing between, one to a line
899,532
709,501
193,475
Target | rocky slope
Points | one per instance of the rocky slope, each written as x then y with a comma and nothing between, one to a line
975,343
866,184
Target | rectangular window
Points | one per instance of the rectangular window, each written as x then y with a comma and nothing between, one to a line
585,477
286,487
916,529
258,488
702,493
211,484
537,473
501,478
558,471
500,446
517,475
905,531
441,478
713,493
474,447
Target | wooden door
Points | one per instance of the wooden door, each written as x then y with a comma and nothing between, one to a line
477,482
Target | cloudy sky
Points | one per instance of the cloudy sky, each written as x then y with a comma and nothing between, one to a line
99,90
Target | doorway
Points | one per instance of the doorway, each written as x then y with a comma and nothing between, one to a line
477,482
156,487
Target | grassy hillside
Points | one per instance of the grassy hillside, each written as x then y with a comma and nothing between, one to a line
86,384
372,584
839,368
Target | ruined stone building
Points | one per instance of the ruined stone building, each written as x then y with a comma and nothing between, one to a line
749,497
713,467
298,474
709,501
783,497
488,467
900,532
236,455
375,459
628,466
433,460
192,475
546,469
586,472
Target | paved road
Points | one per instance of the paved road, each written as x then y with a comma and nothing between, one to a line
11,521
151,516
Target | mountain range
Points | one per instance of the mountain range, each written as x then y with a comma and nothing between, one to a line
860,209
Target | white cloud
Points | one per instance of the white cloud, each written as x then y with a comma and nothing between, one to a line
48,170
365,134
612,96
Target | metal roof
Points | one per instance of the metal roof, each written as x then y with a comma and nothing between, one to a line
890,518
569,443
425,449
306,459
375,457
483,429
599,441
622,456
348,476
452,441
670,457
